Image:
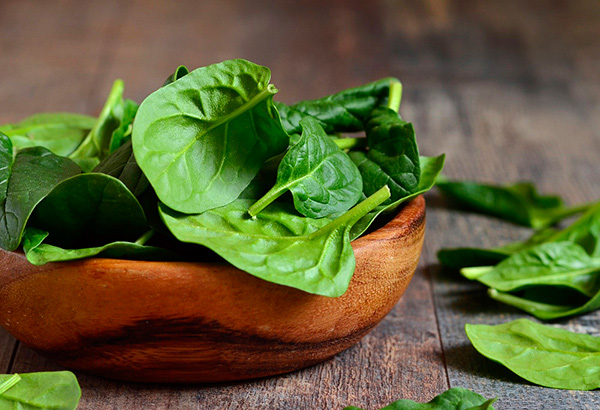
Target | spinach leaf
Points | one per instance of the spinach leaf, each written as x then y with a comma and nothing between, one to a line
321,177
7,158
122,133
61,133
45,390
98,142
268,246
519,203
39,253
202,139
541,354
345,111
457,398
179,72
122,165
33,175
562,264
90,209
393,155
430,169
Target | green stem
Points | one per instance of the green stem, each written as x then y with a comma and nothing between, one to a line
10,382
145,237
395,95
349,143
265,201
475,271
354,214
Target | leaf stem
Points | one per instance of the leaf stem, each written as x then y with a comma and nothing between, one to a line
10,382
349,143
145,237
265,201
395,95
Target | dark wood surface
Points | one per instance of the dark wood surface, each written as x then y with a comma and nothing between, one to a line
509,90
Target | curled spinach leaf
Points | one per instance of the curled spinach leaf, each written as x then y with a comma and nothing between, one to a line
202,139
179,72
519,203
321,177
44,390
122,165
122,133
457,398
541,354
59,132
268,246
345,111
32,175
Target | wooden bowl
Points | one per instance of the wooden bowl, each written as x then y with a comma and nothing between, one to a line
200,322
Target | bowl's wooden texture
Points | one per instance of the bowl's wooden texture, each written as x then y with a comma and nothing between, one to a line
200,322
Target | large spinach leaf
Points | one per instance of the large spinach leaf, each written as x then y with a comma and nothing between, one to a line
45,390
61,133
268,246
321,177
345,111
541,354
122,165
562,264
202,139
431,167
39,253
33,175
90,209
457,398
393,155
519,203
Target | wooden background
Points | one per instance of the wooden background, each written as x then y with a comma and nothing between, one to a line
509,90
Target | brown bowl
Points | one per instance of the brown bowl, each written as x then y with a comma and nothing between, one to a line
200,322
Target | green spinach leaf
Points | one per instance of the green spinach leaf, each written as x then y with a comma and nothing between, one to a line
33,175
268,246
61,133
45,390
39,253
90,209
519,203
456,398
202,139
430,169
122,133
321,177
541,354
179,72
122,165
345,111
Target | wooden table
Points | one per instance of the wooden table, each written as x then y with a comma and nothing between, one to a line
509,90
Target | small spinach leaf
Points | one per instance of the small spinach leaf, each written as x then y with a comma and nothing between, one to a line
122,165
541,354
519,203
45,390
457,398
345,111
61,133
89,209
321,177
268,246
39,253
179,72
202,139
33,175
122,133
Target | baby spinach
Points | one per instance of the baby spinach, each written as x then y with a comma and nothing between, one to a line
32,175
321,177
345,111
519,203
122,133
45,390
90,208
122,165
431,167
457,398
562,264
393,155
179,72
203,138
541,354
39,253
268,246
61,133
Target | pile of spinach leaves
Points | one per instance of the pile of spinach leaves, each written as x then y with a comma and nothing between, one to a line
209,159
